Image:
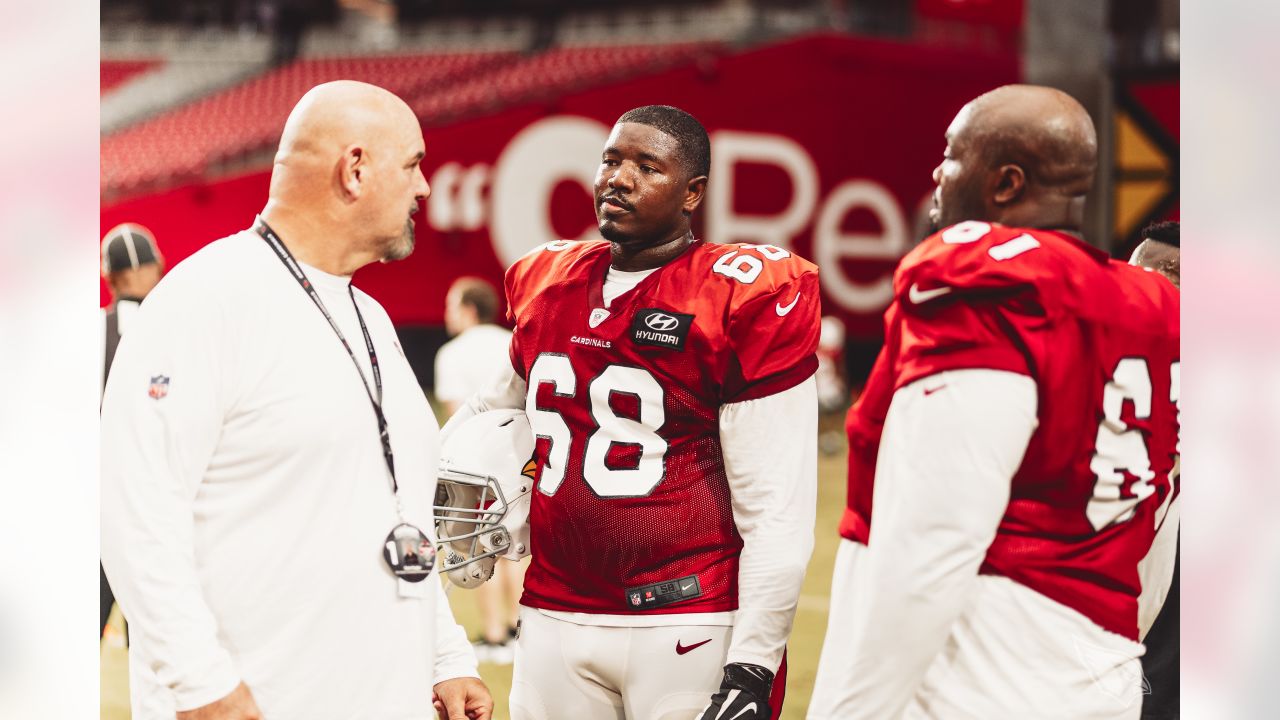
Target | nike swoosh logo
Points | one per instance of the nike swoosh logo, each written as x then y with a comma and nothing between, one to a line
682,649
930,391
686,587
784,309
750,708
917,296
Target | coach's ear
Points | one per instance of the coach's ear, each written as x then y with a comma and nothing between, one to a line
693,194
351,168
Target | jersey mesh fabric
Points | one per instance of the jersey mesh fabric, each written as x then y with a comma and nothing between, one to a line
1063,313
588,548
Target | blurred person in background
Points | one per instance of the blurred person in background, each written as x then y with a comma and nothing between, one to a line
833,391
476,358
476,354
1161,250
1020,428
1158,607
131,265
669,382
262,462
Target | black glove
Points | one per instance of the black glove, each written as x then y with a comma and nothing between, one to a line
743,695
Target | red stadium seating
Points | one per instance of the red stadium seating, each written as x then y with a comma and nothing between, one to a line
548,75
245,120
248,118
116,72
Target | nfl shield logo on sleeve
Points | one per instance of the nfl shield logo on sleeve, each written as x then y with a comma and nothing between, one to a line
635,599
159,386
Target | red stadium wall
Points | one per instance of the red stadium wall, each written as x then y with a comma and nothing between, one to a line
1160,98
823,144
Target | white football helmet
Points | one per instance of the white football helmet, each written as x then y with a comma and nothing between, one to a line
482,496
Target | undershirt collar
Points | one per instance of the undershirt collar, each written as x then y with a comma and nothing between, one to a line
617,282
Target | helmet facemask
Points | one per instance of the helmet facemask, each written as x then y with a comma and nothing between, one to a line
469,508
484,480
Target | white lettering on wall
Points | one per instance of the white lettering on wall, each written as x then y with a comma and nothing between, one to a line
457,197
539,157
831,245
724,223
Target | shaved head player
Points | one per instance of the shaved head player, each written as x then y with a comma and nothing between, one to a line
669,382
1012,452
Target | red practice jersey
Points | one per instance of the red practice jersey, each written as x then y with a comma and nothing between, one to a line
632,512
1101,340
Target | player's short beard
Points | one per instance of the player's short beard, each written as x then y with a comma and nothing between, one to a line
610,232
964,203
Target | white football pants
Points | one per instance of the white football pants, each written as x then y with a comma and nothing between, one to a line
1013,653
588,672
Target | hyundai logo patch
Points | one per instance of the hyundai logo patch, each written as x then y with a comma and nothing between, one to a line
661,328
661,322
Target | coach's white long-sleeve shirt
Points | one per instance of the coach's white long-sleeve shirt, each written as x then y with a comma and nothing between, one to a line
245,508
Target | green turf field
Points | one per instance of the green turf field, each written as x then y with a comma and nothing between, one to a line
802,655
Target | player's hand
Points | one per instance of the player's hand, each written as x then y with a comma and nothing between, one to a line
238,705
743,695
464,698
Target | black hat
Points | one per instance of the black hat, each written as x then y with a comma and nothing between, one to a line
128,246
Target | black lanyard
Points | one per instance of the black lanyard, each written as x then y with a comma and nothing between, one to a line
282,252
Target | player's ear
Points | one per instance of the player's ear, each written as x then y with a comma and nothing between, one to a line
1011,181
351,170
694,193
